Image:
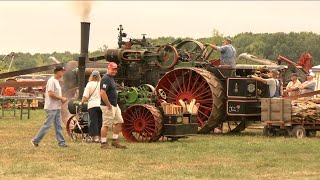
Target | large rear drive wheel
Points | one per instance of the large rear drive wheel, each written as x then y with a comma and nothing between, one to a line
199,84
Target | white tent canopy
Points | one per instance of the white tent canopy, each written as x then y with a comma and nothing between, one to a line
315,70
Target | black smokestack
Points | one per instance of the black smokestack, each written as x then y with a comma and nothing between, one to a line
85,31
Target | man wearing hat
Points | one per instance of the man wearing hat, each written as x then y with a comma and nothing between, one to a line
228,53
275,85
308,86
52,105
293,86
111,113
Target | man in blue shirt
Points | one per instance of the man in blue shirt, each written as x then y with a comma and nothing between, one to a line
308,86
111,113
228,53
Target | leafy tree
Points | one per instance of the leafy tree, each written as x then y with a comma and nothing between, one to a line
264,45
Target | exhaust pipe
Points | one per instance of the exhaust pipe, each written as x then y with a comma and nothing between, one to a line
85,31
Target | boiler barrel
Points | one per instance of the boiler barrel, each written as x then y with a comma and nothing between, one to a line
113,55
73,106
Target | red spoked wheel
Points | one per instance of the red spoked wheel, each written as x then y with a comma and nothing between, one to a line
70,126
142,123
199,84
168,57
76,128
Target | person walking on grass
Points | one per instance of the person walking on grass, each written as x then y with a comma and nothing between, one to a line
111,113
92,95
52,106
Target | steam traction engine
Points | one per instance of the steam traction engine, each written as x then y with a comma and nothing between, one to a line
182,71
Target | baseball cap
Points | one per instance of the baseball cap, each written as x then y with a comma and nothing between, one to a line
95,73
112,65
274,71
58,68
294,74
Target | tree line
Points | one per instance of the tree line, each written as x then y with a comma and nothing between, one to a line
264,45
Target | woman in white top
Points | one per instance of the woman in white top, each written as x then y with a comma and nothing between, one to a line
92,95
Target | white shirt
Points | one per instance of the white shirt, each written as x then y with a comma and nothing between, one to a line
291,84
272,86
54,86
92,91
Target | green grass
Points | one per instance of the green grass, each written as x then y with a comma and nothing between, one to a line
245,156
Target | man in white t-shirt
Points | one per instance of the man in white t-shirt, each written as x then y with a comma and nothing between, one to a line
52,105
273,82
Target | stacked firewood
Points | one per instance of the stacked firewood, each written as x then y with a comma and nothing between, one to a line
172,108
305,109
183,108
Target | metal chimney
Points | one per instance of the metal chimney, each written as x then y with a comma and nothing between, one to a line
85,31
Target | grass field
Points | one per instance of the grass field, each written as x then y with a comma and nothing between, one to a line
245,156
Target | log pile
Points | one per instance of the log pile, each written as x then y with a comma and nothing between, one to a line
305,109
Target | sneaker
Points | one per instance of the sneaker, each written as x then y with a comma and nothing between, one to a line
115,143
33,143
105,146
63,145
89,141
96,141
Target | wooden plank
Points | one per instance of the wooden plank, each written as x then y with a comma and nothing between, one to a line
303,95
23,84
275,109
281,109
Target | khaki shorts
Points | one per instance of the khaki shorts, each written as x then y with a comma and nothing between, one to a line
111,117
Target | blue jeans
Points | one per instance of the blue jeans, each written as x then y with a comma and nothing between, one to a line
53,116
95,121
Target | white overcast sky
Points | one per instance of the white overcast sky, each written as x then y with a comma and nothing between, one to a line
49,26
